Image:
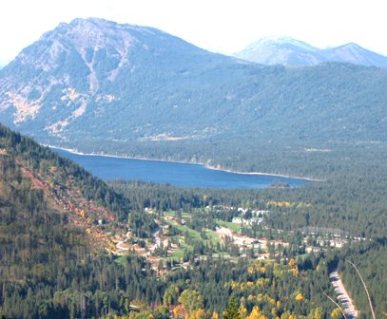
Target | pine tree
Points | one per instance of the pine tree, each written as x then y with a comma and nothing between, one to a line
232,310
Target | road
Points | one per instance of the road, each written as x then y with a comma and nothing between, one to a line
342,296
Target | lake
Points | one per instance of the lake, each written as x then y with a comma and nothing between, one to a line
177,174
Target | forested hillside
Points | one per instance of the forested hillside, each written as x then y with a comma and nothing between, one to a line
53,262
53,259
370,260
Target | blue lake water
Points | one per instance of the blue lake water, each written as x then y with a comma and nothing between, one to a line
177,174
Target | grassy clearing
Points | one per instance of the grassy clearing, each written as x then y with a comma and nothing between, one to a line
178,254
172,214
212,236
193,234
232,226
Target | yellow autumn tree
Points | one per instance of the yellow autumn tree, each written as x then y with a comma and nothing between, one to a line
242,310
198,314
180,312
293,267
255,313
292,263
299,297
316,314
336,313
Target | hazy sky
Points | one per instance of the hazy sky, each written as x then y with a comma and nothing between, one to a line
219,25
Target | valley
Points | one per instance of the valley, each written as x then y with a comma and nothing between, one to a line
180,239
291,235
94,236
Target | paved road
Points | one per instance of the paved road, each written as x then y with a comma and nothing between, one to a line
342,296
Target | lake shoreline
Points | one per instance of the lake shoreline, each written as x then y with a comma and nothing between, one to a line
211,167
216,168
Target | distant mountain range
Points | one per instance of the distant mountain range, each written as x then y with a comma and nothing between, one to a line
101,86
291,52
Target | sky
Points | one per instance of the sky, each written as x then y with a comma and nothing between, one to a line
223,26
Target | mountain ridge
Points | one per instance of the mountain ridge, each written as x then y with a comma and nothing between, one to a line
100,86
291,52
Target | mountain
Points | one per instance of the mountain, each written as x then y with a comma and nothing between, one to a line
353,53
291,52
99,86
284,51
89,72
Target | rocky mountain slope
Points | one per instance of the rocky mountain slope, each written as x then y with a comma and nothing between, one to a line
291,52
59,184
103,86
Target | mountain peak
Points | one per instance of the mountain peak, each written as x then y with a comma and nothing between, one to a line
352,45
92,33
291,52
275,40
94,20
349,46
90,28
279,50
103,24
355,54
